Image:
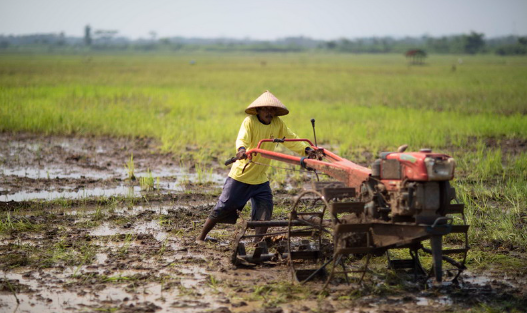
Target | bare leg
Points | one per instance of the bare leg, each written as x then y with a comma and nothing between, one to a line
259,231
207,227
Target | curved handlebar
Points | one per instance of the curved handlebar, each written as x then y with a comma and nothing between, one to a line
278,140
282,140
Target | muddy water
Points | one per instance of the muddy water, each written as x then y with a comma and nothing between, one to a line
136,255
45,168
165,181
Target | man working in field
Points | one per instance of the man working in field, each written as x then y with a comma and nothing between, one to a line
250,182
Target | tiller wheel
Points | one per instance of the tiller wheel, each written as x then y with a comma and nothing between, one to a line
299,240
308,237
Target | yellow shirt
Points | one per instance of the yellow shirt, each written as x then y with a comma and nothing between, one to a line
251,132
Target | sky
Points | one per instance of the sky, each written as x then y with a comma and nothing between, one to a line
266,20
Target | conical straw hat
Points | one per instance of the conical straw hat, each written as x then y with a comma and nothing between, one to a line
267,99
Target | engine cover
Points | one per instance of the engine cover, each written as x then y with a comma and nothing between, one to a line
416,166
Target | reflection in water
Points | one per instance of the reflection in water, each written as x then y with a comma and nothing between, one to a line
80,194
150,227
122,190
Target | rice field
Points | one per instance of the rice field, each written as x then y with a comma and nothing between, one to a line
472,107
116,113
368,101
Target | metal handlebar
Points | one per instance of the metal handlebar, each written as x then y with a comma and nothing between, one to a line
230,161
282,140
277,140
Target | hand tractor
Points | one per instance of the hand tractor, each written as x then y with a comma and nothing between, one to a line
404,201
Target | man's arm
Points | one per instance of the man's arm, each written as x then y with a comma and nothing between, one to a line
243,141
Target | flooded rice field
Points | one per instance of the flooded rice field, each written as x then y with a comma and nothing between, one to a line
78,236
33,167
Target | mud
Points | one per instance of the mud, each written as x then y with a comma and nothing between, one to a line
36,167
136,252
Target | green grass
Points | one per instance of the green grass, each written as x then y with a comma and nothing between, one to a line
493,186
12,224
147,181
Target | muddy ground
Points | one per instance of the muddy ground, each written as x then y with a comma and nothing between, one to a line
77,235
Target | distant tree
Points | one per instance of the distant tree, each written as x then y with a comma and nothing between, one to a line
87,35
62,39
103,37
440,45
331,45
517,48
105,34
385,43
474,42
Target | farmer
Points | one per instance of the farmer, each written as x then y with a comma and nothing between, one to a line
250,182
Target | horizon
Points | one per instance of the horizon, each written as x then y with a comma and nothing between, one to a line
242,20
118,36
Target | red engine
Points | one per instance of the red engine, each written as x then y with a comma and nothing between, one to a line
411,187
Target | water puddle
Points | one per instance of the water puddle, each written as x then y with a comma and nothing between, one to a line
85,298
177,184
76,172
439,301
122,211
53,173
150,227
476,279
79,194
101,258
125,211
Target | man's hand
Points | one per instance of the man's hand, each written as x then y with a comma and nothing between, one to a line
311,154
241,154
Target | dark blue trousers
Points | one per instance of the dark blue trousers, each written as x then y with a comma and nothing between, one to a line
236,194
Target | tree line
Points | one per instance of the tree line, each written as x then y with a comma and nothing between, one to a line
109,40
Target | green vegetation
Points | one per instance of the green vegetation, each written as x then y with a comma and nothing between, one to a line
493,186
359,101
13,224
203,174
278,292
147,182
130,168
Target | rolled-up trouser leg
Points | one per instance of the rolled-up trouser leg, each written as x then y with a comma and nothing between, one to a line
235,195
262,206
233,198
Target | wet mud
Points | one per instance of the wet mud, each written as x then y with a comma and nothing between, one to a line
134,251
49,167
